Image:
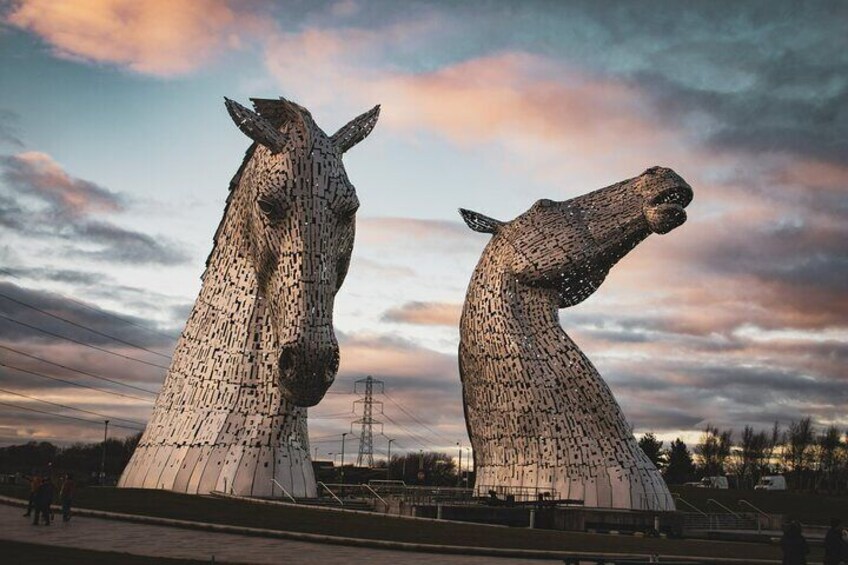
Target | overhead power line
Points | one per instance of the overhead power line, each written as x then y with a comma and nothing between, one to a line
119,318
71,407
96,422
417,420
81,372
423,442
337,438
86,328
127,357
103,390
101,312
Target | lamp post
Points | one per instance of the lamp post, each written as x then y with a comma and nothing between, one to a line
103,461
343,442
389,462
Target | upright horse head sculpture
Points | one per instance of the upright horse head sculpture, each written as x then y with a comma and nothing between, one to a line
298,209
538,413
259,347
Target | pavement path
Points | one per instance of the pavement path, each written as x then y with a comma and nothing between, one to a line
162,541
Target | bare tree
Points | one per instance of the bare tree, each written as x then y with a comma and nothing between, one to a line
749,457
797,453
827,451
713,450
769,463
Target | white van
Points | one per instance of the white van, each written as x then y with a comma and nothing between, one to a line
771,482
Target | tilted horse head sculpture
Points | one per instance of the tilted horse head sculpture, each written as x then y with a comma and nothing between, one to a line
298,225
570,246
538,413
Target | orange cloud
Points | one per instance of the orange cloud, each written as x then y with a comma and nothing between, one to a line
517,95
425,314
33,171
391,357
158,37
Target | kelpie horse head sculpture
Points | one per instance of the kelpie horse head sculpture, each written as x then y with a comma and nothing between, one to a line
298,218
539,415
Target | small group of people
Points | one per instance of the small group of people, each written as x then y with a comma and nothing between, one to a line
42,493
795,546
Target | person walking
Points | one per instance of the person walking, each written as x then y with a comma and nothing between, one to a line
43,500
794,545
34,483
66,495
834,546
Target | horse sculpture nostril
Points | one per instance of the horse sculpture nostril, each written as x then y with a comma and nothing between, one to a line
287,359
307,371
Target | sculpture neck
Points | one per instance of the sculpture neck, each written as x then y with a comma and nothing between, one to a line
229,293
502,315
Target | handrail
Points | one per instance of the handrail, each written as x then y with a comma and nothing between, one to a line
743,501
339,500
723,506
759,521
285,492
372,491
692,506
384,482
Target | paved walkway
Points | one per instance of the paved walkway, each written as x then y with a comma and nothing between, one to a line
161,541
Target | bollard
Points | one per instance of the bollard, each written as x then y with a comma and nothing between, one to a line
657,524
438,512
532,518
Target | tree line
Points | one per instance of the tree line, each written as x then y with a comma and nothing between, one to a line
82,459
810,459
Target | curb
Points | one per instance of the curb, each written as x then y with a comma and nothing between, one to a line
377,544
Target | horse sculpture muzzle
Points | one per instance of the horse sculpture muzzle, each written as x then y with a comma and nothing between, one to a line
308,368
666,197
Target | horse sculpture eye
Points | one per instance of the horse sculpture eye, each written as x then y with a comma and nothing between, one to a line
271,209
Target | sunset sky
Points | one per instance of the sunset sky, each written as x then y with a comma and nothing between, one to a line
116,152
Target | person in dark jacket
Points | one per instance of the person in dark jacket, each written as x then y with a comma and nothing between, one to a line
794,545
66,495
834,545
34,483
43,500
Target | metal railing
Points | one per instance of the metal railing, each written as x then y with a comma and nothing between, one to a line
282,488
380,498
717,521
679,498
325,487
760,513
518,494
722,506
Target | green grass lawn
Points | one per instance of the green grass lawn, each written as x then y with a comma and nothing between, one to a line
311,520
21,553
806,508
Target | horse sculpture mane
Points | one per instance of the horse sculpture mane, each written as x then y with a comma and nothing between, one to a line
540,417
259,346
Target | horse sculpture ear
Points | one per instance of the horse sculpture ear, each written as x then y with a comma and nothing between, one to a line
256,127
356,130
479,222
